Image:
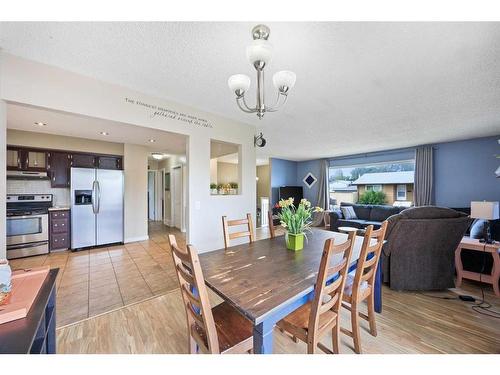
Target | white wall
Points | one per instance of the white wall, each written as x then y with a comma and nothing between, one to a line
227,173
32,83
3,163
135,166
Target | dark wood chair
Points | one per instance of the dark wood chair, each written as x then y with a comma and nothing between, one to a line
360,286
249,232
313,320
216,330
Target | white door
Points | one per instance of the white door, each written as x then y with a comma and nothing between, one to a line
177,192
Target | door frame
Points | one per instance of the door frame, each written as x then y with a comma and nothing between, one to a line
172,197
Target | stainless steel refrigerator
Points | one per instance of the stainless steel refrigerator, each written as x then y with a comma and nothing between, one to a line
96,207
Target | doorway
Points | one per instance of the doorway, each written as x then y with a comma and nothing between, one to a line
151,195
177,214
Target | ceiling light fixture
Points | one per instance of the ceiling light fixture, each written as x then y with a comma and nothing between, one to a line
157,155
152,140
40,123
104,133
259,54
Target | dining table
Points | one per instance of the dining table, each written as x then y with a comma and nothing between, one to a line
265,281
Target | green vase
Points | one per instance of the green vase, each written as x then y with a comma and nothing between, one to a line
295,242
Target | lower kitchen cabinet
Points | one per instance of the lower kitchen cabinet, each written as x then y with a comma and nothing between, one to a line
59,229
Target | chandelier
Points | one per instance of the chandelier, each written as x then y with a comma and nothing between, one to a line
259,54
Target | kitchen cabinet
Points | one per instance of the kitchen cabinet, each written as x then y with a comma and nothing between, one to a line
24,159
13,159
59,229
83,160
59,164
37,160
109,162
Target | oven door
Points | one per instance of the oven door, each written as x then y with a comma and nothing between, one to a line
26,229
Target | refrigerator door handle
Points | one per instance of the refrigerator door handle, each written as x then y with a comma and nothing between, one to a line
98,196
94,197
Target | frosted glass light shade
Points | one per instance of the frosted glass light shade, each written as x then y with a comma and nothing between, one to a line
239,83
260,50
284,78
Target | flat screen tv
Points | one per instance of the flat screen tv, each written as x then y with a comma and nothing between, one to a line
295,192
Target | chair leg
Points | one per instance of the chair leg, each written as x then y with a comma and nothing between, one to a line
355,328
311,346
336,337
295,339
371,315
193,346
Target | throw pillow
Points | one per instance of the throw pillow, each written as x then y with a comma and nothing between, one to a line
477,228
348,212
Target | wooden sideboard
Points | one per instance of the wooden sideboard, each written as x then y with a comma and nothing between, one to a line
35,334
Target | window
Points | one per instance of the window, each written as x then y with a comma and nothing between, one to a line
373,187
401,193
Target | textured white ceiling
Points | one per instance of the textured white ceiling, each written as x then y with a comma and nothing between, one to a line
360,86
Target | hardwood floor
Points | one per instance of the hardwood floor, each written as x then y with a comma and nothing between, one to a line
409,323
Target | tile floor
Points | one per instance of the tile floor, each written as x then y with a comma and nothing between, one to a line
91,282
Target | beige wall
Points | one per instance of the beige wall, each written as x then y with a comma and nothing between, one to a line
226,173
153,164
3,192
213,171
343,196
33,139
135,163
264,182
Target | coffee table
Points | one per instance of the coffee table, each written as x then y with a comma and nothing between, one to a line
474,245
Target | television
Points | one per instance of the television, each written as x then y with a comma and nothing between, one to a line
294,192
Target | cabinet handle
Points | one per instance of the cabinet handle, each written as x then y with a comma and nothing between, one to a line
55,225
62,225
55,240
54,178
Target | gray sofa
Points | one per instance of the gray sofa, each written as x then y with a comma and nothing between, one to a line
420,248
367,214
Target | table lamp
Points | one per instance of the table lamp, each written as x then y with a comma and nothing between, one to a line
486,211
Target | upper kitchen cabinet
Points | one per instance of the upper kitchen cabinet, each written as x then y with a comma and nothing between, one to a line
83,160
26,159
109,162
59,169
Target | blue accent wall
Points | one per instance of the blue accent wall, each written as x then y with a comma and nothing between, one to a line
464,171
283,173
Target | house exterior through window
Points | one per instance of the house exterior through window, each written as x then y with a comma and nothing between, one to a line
401,193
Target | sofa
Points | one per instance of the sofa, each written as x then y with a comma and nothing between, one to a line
367,214
420,248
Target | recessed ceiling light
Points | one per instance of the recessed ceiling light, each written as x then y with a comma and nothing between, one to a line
104,133
152,140
40,123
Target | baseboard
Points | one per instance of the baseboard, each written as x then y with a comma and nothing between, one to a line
168,222
136,239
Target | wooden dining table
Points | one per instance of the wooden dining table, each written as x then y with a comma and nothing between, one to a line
265,282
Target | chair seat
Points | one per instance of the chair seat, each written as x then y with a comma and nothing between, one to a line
234,331
297,322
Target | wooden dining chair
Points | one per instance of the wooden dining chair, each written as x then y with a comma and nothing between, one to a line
312,321
272,231
360,284
216,330
249,232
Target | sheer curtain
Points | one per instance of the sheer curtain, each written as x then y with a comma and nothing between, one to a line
423,176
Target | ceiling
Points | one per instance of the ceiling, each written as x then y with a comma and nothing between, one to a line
360,86
22,117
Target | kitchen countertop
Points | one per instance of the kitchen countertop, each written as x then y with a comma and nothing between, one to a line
59,208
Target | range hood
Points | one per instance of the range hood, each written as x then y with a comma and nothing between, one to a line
27,175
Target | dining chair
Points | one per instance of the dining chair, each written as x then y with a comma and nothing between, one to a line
218,330
360,284
249,232
312,321
272,231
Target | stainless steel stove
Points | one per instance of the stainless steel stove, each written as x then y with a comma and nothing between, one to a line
27,224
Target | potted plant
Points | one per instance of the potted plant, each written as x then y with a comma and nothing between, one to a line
296,221
220,188
234,187
213,189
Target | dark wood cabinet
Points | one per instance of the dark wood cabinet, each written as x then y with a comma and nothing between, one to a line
26,159
109,162
58,167
83,160
59,229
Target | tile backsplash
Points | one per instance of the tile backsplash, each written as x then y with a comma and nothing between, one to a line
60,195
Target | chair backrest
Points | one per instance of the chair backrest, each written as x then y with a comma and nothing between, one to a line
201,325
271,224
335,289
232,223
369,257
